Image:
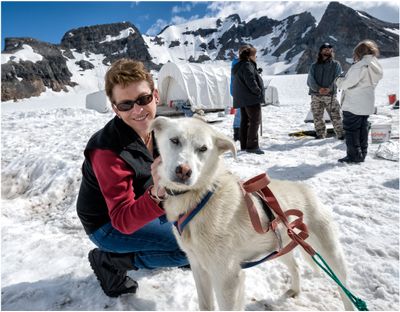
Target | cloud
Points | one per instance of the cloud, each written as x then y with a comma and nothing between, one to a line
144,17
276,10
156,27
134,4
176,20
183,8
386,10
279,10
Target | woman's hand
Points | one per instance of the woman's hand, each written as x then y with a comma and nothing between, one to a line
157,191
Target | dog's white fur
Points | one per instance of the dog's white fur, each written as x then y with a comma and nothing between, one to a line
221,236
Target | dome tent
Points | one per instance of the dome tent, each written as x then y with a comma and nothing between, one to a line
271,93
98,101
203,86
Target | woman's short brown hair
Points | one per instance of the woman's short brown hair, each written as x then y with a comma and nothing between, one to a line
365,47
123,72
246,51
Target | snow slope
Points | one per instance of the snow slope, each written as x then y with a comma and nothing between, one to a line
44,248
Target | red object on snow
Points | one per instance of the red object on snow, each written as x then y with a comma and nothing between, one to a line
233,111
392,98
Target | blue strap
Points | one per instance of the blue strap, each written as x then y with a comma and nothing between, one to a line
245,265
192,213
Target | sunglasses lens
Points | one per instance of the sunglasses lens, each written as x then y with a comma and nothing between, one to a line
141,101
125,106
144,100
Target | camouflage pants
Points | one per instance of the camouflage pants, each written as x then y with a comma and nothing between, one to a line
332,107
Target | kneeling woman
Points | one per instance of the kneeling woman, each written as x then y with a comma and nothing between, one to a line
119,198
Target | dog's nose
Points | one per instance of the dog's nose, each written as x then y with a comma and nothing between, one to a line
183,172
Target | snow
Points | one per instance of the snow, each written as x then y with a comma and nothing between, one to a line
306,32
44,247
393,30
25,54
362,15
203,23
333,38
88,79
190,44
349,60
122,34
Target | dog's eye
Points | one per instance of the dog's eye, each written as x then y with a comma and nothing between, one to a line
174,141
203,149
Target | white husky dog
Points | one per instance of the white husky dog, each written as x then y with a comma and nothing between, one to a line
221,237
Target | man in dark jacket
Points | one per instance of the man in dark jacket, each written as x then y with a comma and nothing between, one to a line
321,81
248,95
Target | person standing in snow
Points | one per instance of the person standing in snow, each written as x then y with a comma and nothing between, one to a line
248,95
358,99
119,202
321,83
236,120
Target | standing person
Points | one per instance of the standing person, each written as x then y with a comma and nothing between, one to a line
248,95
321,83
119,200
358,99
236,120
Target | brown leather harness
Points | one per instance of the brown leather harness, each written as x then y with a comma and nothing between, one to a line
258,185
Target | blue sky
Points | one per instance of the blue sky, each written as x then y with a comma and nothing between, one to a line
49,21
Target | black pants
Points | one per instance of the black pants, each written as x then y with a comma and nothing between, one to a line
250,120
356,133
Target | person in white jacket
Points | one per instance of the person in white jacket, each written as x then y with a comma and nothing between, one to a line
358,99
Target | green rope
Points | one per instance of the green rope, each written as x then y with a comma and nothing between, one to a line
359,304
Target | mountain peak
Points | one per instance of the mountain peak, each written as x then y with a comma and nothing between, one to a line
116,40
234,18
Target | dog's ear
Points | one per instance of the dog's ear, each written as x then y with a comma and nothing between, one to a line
159,123
224,144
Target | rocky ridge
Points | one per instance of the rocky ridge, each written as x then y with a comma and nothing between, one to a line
294,40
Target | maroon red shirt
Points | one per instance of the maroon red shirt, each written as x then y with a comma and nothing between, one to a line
115,178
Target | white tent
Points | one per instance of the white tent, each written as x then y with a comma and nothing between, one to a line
204,86
98,101
271,93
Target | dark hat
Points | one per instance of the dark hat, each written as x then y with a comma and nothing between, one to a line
325,45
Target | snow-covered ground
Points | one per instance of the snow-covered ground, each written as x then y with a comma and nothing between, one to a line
44,248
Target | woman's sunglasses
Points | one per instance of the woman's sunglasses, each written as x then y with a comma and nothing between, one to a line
141,101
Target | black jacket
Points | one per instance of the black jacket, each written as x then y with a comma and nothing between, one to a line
125,142
248,86
323,75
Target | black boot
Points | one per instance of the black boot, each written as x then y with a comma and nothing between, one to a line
364,155
349,160
110,269
236,134
354,156
257,151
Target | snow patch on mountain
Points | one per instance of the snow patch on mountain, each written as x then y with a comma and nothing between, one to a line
92,79
123,34
25,54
